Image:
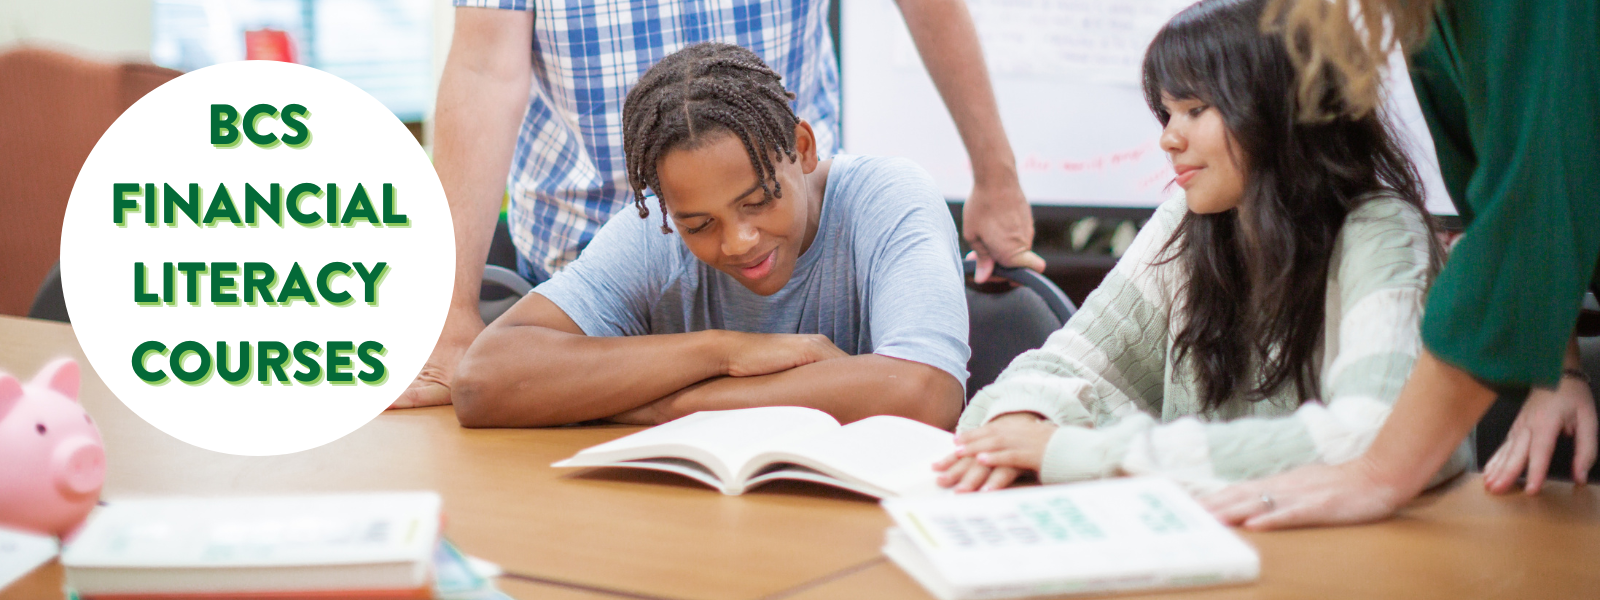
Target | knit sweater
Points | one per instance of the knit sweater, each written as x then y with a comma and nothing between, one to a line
1108,380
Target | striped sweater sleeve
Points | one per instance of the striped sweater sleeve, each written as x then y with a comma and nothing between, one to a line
1377,283
1108,361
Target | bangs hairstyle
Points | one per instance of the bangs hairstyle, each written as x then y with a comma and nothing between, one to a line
692,97
1258,274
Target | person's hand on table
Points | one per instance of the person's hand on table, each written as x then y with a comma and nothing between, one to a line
746,355
997,222
1317,494
752,354
1546,414
650,415
992,456
432,385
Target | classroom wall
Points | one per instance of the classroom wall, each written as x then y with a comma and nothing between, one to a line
111,30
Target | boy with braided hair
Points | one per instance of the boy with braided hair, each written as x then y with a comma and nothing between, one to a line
773,277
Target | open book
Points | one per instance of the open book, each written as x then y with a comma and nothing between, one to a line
736,450
1094,537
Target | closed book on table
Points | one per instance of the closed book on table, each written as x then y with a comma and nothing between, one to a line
361,546
1095,537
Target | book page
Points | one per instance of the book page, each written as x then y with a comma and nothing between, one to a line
1128,530
730,436
892,453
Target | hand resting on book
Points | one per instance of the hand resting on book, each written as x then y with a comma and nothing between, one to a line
991,457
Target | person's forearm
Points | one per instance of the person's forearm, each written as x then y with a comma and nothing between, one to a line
1572,360
948,43
482,95
849,389
1437,408
530,376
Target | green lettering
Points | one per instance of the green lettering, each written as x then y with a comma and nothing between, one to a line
242,374
369,353
120,204
190,206
313,371
223,133
360,207
323,278
338,360
333,204
302,133
150,204
222,284
198,375
263,284
222,207
139,353
273,206
168,277
271,357
297,192
252,118
390,217
192,270
296,286
140,296
371,279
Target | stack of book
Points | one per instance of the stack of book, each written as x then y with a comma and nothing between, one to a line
375,546
1103,536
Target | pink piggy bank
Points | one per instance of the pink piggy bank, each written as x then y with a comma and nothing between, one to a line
54,461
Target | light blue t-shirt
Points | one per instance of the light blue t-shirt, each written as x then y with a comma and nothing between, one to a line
882,276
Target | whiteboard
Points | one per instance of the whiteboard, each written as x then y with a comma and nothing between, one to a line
1066,77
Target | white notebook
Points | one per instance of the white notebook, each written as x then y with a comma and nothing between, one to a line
372,542
736,450
1102,536
21,552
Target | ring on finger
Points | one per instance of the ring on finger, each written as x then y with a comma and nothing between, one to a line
1266,500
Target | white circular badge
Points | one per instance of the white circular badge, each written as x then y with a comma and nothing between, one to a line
257,258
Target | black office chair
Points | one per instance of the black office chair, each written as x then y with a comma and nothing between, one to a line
501,288
502,285
49,302
1007,318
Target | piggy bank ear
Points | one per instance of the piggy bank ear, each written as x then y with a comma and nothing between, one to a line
60,375
10,393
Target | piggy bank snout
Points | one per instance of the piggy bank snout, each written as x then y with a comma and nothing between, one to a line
78,466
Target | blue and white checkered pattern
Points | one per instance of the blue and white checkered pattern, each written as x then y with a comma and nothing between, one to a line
567,174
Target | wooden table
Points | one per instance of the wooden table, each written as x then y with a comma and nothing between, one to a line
570,534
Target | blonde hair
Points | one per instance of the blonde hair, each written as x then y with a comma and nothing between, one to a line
1332,54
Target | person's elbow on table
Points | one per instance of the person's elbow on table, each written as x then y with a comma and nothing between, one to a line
927,394
476,396
485,394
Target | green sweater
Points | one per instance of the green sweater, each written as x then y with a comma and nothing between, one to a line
1511,92
1108,380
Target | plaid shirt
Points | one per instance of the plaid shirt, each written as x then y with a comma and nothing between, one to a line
568,174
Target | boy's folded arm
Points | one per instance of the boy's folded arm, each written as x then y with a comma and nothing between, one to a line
850,389
535,367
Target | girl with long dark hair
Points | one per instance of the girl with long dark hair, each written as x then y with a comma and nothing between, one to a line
1265,318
